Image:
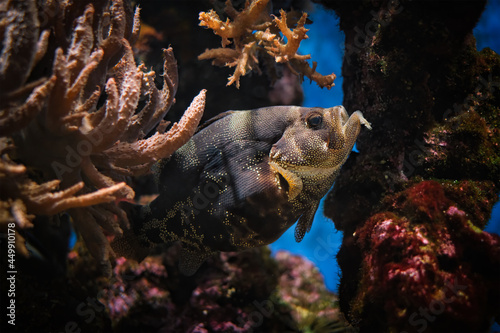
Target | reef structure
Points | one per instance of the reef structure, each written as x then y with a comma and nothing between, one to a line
79,117
413,203
237,292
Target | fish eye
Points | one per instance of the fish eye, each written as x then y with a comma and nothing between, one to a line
314,121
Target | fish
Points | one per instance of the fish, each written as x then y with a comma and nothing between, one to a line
242,180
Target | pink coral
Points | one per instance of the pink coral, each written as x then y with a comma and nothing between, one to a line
425,265
236,292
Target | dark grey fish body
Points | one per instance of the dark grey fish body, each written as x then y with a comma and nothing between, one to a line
244,178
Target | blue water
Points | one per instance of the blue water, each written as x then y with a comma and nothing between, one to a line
325,44
494,223
486,31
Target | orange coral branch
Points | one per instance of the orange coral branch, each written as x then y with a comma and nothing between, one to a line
106,219
300,66
12,169
246,18
221,56
283,52
160,145
102,181
65,139
92,129
19,26
81,43
81,80
19,213
53,203
41,46
243,64
97,244
136,26
252,33
13,119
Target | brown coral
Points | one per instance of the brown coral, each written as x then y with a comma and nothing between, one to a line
254,33
83,126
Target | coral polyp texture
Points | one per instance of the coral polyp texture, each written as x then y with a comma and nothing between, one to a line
79,117
252,34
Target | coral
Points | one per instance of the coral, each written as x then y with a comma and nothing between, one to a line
236,292
189,40
469,132
413,202
421,268
80,121
301,288
253,34
76,112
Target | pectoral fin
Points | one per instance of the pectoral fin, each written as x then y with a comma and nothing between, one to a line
305,222
213,120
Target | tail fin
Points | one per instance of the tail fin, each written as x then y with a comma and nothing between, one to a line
127,245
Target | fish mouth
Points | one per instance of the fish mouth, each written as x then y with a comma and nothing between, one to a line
294,174
294,182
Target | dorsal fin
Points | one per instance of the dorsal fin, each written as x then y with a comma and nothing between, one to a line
213,120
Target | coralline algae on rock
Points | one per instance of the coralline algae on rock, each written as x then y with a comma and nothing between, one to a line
233,292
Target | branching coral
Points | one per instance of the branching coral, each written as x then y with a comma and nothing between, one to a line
253,33
84,128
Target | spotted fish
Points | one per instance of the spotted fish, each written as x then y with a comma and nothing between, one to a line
242,180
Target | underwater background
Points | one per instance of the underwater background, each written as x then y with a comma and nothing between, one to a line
323,241
402,245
